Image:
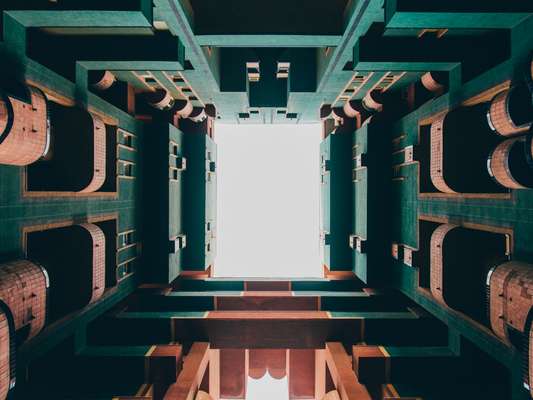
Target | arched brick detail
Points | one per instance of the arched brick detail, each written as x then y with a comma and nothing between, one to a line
499,164
431,84
437,262
372,101
511,297
272,360
437,156
197,114
24,130
5,367
23,286
160,99
99,150
183,108
103,80
98,261
500,116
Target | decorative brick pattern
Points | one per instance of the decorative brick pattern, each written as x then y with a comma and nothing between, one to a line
437,264
99,164
437,156
5,367
28,136
511,297
499,164
23,286
98,282
500,118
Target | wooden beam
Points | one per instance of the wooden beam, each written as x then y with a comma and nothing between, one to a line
320,374
344,379
189,380
214,373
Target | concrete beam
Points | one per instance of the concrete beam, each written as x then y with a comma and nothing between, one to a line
456,14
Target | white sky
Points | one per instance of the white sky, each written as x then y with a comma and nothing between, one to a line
268,201
267,388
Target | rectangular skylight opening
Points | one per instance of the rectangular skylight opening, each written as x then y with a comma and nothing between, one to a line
268,187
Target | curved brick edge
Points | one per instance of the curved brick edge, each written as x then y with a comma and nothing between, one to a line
530,359
429,82
27,138
511,297
370,103
198,114
23,286
160,99
499,164
106,81
99,163
98,261
272,361
437,156
499,116
5,362
183,108
437,263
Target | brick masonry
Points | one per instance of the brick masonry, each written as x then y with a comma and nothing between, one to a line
437,263
499,164
430,83
98,283
500,118
28,136
99,164
511,297
437,156
5,368
23,287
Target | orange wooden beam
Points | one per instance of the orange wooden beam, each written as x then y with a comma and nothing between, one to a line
339,364
189,380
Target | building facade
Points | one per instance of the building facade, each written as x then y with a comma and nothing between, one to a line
108,176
